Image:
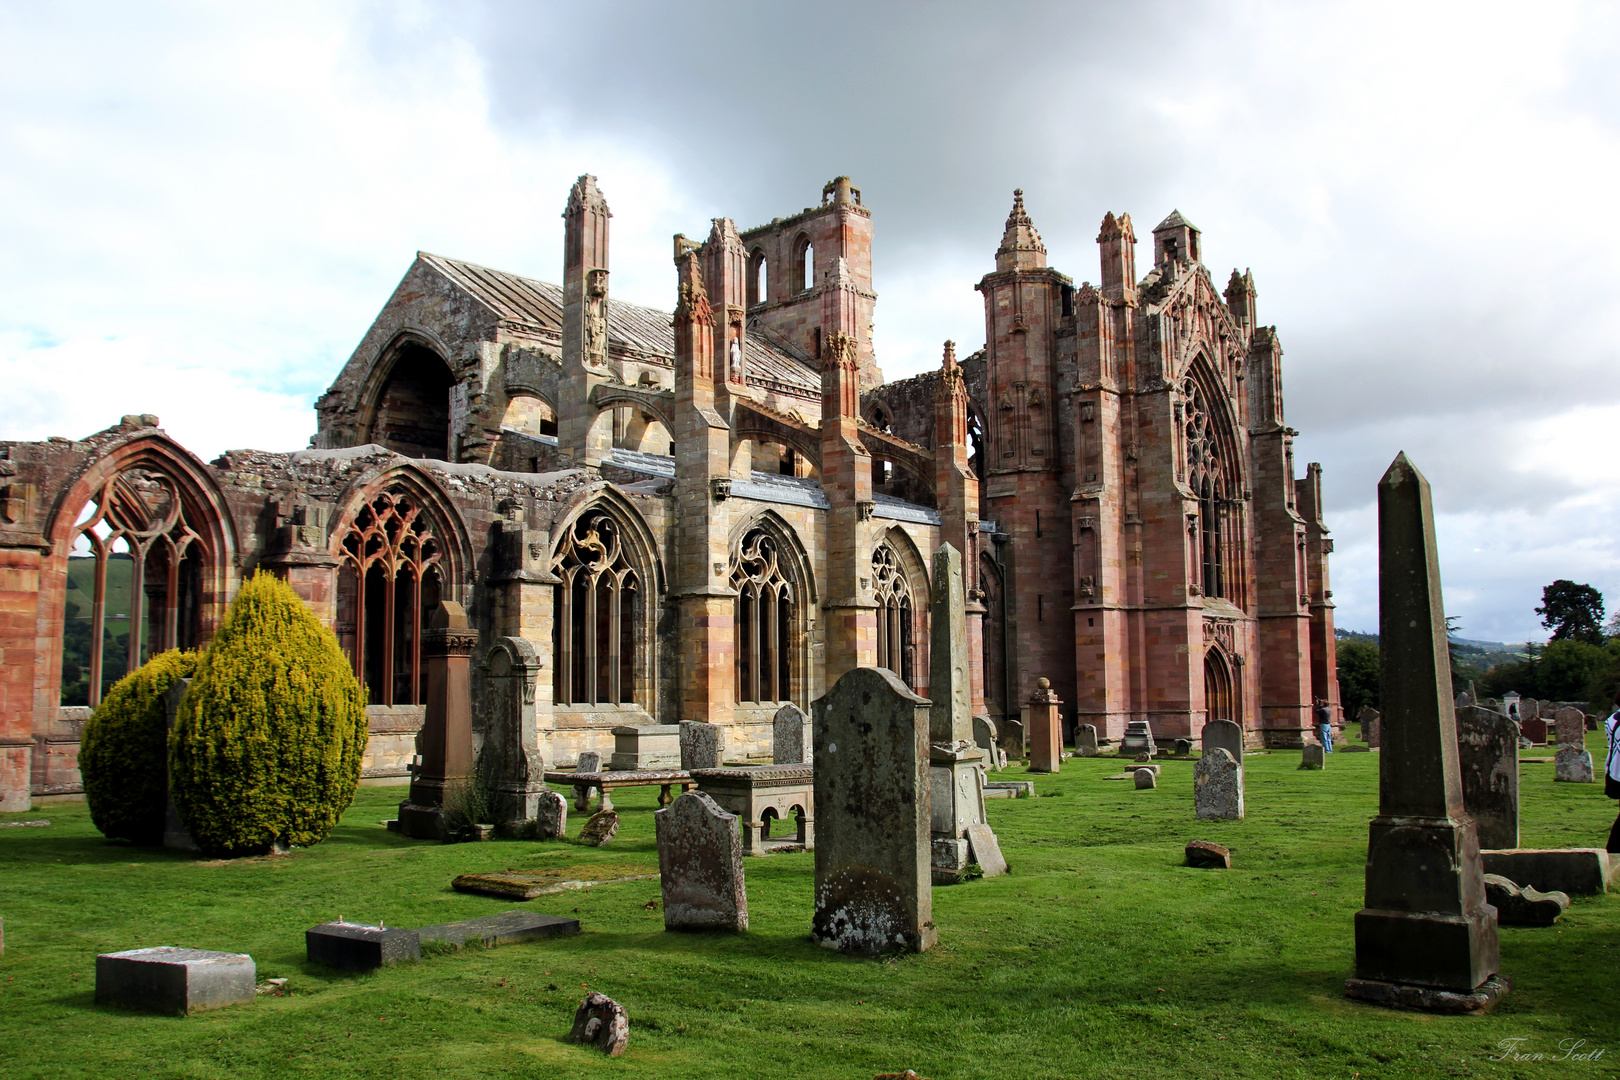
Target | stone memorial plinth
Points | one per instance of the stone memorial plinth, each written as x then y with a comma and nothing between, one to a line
790,736
700,862
515,768
1138,739
1218,786
1085,740
1569,727
1488,759
874,888
506,928
1572,765
1045,729
1426,938
1225,735
646,746
445,740
166,979
351,946
762,794
702,745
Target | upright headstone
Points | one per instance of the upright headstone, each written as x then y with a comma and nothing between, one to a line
1534,728
1573,765
589,761
985,734
700,860
1570,727
1045,729
1223,735
790,736
956,761
1138,739
1463,701
1085,740
1146,778
515,769
1426,938
1218,785
446,739
1314,756
1370,721
874,884
1488,759
702,745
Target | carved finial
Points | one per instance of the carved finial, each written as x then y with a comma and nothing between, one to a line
586,195
1021,246
693,303
949,362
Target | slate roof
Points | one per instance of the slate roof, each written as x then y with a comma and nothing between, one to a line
631,327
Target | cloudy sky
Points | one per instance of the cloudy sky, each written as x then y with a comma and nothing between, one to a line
202,206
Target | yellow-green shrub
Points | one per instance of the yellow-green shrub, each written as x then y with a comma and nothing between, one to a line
123,755
270,736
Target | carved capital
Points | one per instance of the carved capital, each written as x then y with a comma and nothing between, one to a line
720,488
866,508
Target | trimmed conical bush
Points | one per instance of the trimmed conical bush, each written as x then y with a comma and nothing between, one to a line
124,753
268,744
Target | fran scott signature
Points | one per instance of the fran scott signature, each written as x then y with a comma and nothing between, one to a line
1568,1050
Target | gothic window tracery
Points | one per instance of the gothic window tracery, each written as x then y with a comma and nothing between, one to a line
895,648
765,619
392,577
598,609
1206,475
134,582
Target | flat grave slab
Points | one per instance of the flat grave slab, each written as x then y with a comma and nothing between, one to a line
1576,871
502,929
167,979
1009,789
526,885
351,946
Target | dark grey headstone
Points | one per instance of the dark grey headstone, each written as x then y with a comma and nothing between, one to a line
984,733
1223,734
874,890
1218,786
1314,756
166,979
1146,778
700,861
511,760
702,745
357,947
1370,719
505,928
1085,740
1525,906
1488,759
1577,871
590,761
1208,856
790,736
550,816
1426,923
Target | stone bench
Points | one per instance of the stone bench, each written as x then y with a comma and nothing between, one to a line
751,791
604,782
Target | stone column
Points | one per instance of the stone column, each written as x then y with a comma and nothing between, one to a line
583,432
1045,730
846,478
19,644
1426,937
515,764
445,743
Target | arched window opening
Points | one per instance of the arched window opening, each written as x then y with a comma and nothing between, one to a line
804,265
593,634
756,278
1206,476
994,639
976,442
882,472
391,580
134,583
413,410
895,649
765,615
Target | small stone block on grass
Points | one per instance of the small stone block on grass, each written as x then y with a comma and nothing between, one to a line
1517,906
1207,856
986,850
166,979
601,1022
502,929
358,947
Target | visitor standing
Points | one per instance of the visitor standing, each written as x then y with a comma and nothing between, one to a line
1324,725
1611,769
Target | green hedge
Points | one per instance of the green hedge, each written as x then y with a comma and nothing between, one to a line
123,756
271,733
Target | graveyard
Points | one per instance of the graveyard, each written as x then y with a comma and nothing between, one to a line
1098,954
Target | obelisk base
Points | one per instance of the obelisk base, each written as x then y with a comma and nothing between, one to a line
1427,998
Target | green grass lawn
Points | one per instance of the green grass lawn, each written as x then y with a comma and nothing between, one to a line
1098,956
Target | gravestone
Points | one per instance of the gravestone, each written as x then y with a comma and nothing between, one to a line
1183,747
351,946
1085,740
1045,729
1138,739
985,850
446,740
550,816
1146,778
984,733
1516,906
1218,786
646,746
1370,719
602,827
175,833
1463,701
1223,735
1314,756
1426,938
590,761
790,736
956,772
700,861
702,745
1576,871
1208,856
515,769
505,928
601,1022
165,979
1535,729
1488,759
1573,765
1569,726
1011,733
874,883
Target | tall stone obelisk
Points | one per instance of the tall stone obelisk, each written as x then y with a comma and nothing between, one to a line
1426,938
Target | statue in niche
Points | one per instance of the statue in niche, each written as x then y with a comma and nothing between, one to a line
596,328
735,357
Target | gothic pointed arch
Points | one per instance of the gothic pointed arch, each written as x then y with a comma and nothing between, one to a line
405,400
776,594
1213,473
992,588
144,544
1221,696
900,587
610,583
401,547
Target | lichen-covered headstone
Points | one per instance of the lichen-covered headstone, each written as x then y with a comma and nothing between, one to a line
790,736
602,827
874,889
1218,785
700,861
601,1022
1085,740
1313,756
1573,765
1224,735
590,761
702,745
1488,759
550,816
1569,726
